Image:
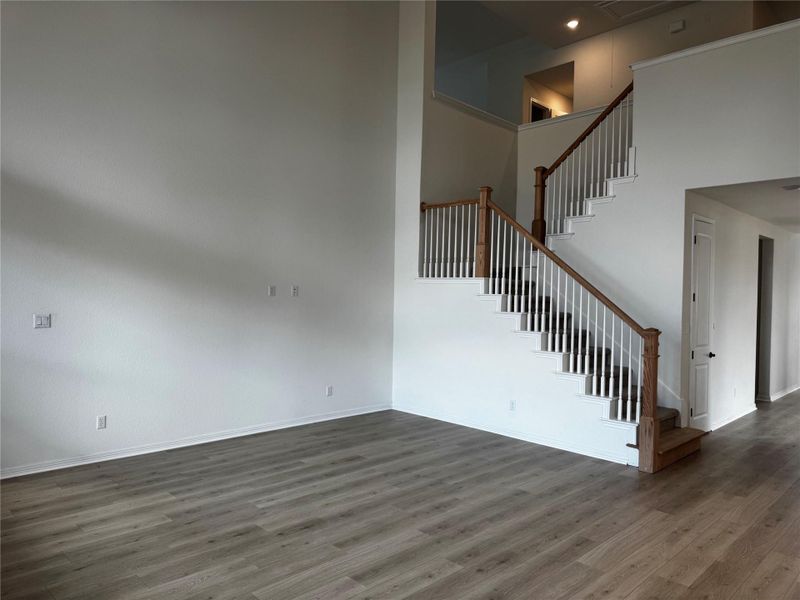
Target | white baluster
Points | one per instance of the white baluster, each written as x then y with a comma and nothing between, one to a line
435,219
611,366
425,244
639,382
561,197
572,328
580,330
475,240
603,388
595,367
470,243
581,177
492,254
630,370
529,251
506,256
621,361
516,270
537,324
460,241
625,144
550,339
559,320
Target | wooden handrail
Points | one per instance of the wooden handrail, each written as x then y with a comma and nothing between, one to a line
574,274
616,102
423,206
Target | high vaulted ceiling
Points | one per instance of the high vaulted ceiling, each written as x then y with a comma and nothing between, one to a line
770,201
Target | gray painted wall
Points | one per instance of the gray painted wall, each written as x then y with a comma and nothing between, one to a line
162,164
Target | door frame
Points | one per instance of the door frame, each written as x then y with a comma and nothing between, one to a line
692,310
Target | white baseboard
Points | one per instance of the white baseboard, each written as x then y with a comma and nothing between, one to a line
621,458
64,463
782,393
731,419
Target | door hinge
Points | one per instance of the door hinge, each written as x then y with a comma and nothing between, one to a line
692,354
694,297
691,412
695,239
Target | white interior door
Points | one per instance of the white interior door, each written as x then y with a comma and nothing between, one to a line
702,322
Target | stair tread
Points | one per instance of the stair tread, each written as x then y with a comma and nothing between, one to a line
673,438
663,413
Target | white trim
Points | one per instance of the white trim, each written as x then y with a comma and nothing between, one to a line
715,45
552,121
782,393
64,463
727,420
621,458
472,280
473,110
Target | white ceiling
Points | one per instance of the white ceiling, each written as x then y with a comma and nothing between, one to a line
545,21
767,200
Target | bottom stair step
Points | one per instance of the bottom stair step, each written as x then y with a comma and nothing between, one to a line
676,444
675,438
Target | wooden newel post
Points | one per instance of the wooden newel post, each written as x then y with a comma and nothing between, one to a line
648,429
539,227
482,249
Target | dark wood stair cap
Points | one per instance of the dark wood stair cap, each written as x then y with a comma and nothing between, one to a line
674,438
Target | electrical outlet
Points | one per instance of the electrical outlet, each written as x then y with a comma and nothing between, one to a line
271,291
41,321
295,291
101,422
512,405
329,390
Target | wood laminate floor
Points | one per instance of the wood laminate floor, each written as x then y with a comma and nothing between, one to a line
391,505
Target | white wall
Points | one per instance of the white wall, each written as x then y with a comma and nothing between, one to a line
722,115
162,164
732,378
461,362
540,144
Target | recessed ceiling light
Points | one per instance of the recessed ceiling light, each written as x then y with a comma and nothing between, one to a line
573,24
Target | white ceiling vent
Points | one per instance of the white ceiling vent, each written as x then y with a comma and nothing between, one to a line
626,9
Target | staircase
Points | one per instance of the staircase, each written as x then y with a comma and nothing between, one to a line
613,358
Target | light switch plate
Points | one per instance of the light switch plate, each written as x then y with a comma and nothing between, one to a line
41,321
271,290
101,421
295,291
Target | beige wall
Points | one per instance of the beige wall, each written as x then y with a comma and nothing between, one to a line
543,95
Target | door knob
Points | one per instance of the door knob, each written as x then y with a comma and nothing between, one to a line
711,355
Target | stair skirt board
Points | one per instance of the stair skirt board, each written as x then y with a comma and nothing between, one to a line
439,380
627,456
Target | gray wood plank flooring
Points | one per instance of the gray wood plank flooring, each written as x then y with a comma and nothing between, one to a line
391,505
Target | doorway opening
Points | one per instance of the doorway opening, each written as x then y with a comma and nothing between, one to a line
766,248
547,94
